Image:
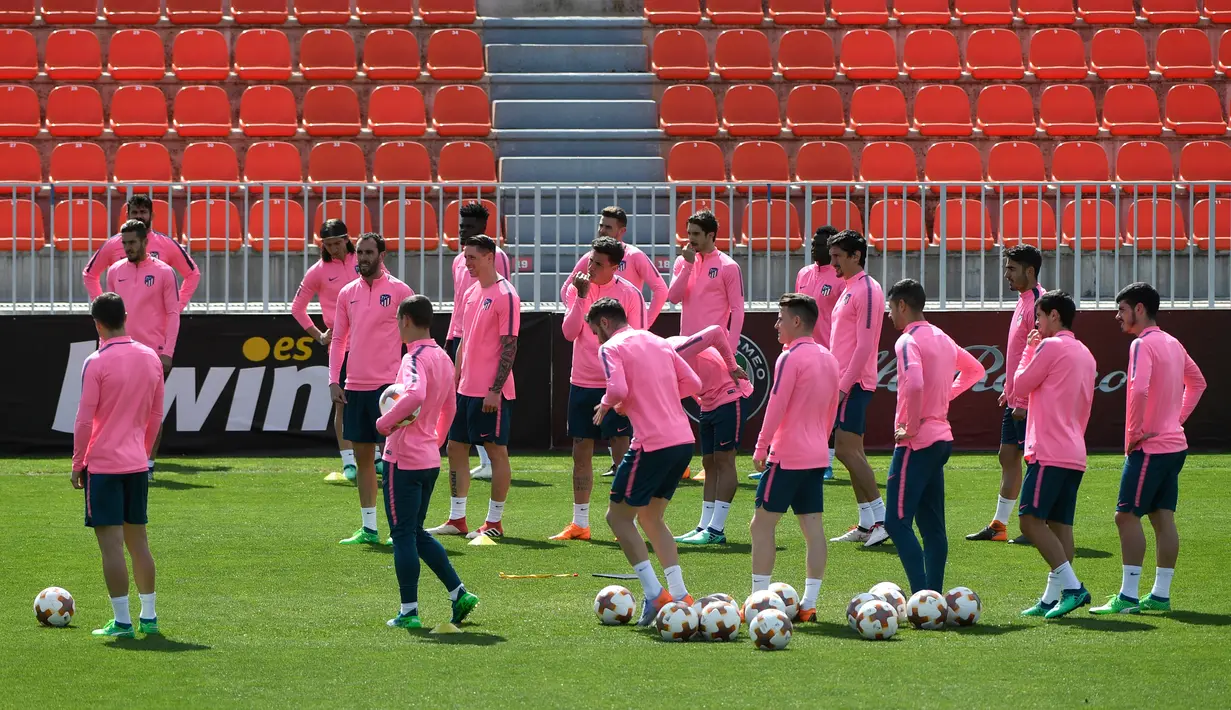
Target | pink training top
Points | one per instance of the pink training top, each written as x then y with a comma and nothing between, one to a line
366,328
1164,386
157,245
426,374
855,332
1057,377
153,306
462,281
120,409
646,379
824,285
1019,328
711,290
587,370
709,355
325,280
927,358
489,314
637,269
802,408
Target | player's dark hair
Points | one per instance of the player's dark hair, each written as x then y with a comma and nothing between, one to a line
609,246
140,202
380,241
706,221
910,292
617,213
850,241
1140,293
802,306
820,244
608,308
137,226
1026,255
335,228
482,242
474,209
1059,301
108,310
418,309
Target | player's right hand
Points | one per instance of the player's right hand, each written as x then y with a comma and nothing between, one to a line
738,374
581,282
326,337
1003,399
336,394
79,479
689,253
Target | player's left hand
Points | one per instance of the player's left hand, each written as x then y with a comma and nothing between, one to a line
79,479
1033,339
166,364
758,464
1019,413
1136,443
600,411
327,337
491,402
738,374
900,435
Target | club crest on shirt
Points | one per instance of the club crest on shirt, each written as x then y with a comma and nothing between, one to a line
714,273
154,254
385,300
487,303
622,266
826,289
846,297
149,280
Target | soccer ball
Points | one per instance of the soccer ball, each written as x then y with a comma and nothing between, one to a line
760,601
852,609
54,607
720,621
699,605
677,621
770,630
963,607
877,620
790,598
614,605
880,588
926,610
895,600
389,397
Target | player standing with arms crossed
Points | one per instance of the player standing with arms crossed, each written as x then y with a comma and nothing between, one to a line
1021,270
366,338
923,440
412,451
491,313
646,379
1164,386
158,245
791,447
636,267
821,281
1056,373
587,380
117,420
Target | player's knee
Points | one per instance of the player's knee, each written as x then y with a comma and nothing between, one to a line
1127,519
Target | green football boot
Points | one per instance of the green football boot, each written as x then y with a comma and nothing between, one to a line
350,471
1117,604
705,537
1040,608
1070,599
361,537
690,533
120,631
405,621
149,627
1153,603
462,607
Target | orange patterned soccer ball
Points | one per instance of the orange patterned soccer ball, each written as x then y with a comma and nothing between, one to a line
390,397
962,607
54,607
699,605
926,610
720,621
614,605
770,630
852,609
677,621
760,601
790,598
877,620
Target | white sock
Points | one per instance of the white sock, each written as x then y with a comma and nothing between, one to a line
494,511
1130,582
484,459
649,581
149,463
376,455
369,518
718,523
147,606
675,581
119,607
348,457
760,582
1051,594
831,458
707,512
455,593
812,589
865,515
411,608
457,508
1004,508
581,515
878,510
1162,582
1068,578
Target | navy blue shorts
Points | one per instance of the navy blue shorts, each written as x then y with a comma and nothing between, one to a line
471,425
643,475
853,411
1050,493
917,478
342,374
581,404
800,490
452,345
360,414
1013,431
115,498
1150,482
721,428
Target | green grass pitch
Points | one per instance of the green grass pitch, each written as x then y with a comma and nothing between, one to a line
262,607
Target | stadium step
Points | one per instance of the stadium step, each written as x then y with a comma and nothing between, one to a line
559,8
566,114
589,86
633,143
546,58
570,171
563,30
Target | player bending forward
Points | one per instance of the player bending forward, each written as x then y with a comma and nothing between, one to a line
117,420
416,428
646,379
793,443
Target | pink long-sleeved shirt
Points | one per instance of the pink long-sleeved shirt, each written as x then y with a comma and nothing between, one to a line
153,306
325,280
855,332
927,358
157,245
366,327
426,373
646,379
587,370
825,287
120,409
462,281
1019,328
711,291
1057,378
709,355
489,314
802,407
638,270
1164,386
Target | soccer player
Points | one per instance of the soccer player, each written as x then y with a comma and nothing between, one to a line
1164,386
472,221
854,339
1056,373
724,386
791,447
646,379
927,359
325,279
491,313
821,281
159,246
1021,270
365,337
117,419
415,429
636,268
707,283
587,380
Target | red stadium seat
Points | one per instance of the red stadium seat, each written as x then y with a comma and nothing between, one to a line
70,12
21,226
688,110
286,230
1170,12
452,220
17,12
327,55
263,55
132,12
276,165
1224,52
815,110
697,163
994,54
1155,225
20,118
1046,12
447,12
983,12
1016,161
942,110
1107,12
673,12
680,54
743,55
1005,110
896,226
760,166
354,213
957,165
921,12
797,12
21,169
268,112
79,225
1131,110
139,112
202,112
259,12
331,111
74,112
146,166
1058,54
461,111
200,55
209,164
751,110
385,12
1202,229
963,225
1144,161
194,12
401,162
806,55
839,214
859,12
84,165
1194,109
878,110
18,55
337,169
465,165
455,55
1028,221
771,226
395,110
1184,54
868,55
1206,161
722,212
322,12
1080,162
391,55
1096,229
824,162
734,12
889,162
73,55
213,225
1119,53
412,223
931,54
1068,110
136,55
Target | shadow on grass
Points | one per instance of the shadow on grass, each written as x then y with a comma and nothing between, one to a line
527,543
1089,553
727,549
988,629
1199,618
605,543
523,483
181,469
886,547
825,628
465,638
1093,624
172,485
159,644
